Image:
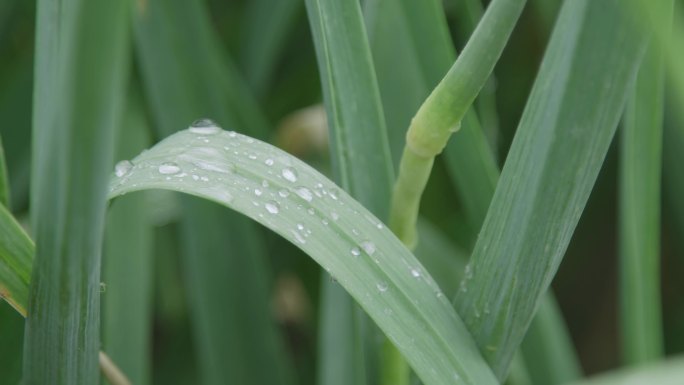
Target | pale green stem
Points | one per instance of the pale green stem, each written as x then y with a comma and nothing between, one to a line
642,334
438,117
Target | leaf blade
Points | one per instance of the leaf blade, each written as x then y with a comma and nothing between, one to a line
577,139
431,339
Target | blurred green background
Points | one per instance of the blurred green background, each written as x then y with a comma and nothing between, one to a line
586,284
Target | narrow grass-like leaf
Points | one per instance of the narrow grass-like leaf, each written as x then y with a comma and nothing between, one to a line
16,258
641,321
558,150
361,165
667,372
306,208
266,26
201,81
80,73
127,265
352,102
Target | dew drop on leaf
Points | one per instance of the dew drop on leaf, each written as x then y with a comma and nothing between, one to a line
368,247
204,127
272,207
382,286
168,168
289,174
122,168
304,193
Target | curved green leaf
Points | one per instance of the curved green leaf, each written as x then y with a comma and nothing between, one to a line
292,199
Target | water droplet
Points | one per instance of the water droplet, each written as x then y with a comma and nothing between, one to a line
169,168
368,247
298,237
311,211
103,287
379,226
224,169
232,134
204,127
283,193
289,174
335,216
382,286
304,193
355,251
468,274
269,162
300,226
258,192
272,207
334,193
415,273
122,168
252,156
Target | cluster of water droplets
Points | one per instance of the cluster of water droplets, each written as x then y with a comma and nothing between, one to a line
224,163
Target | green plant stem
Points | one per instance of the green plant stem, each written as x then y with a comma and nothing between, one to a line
641,159
406,195
441,113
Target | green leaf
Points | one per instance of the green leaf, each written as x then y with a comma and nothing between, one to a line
555,157
641,162
359,145
267,24
16,257
292,199
80,74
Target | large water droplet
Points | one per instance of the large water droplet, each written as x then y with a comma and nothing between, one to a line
269,162
283,193
415,273
382,286
258,192
168,168
368,247
334,193
122,168
289,174
304,193
272,207
355,251
204,127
